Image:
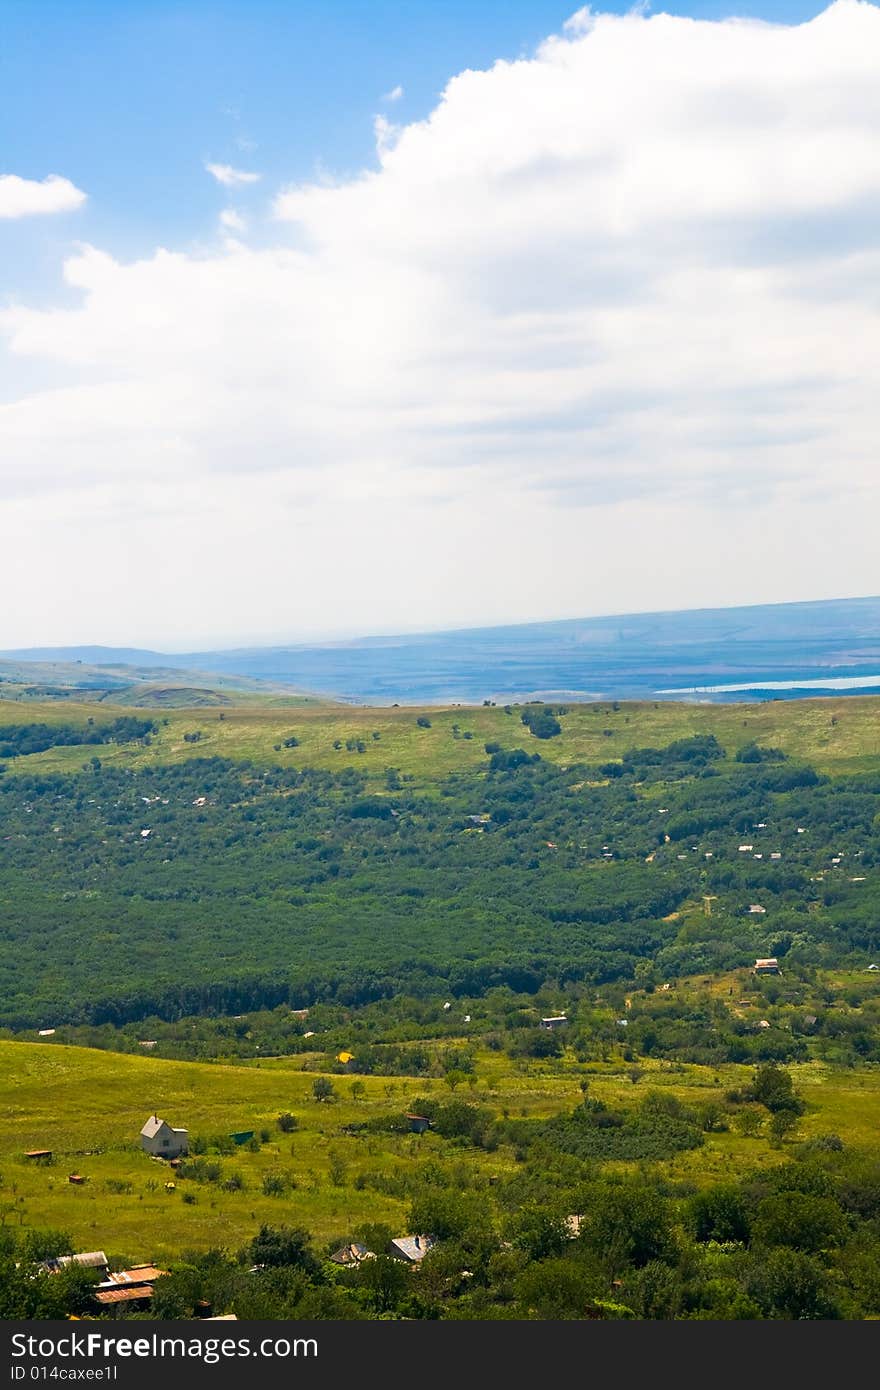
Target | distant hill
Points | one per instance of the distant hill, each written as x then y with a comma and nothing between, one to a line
756,652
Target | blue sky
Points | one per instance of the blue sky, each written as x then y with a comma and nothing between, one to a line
488,312
129,99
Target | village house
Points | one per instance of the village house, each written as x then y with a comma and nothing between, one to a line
766,965
162,1140
411,1249
128,1287
556,1021
352,1254
418,1123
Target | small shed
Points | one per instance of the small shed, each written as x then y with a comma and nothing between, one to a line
162,1140
766,965
418,1123
242,1136
555,1021
39,1155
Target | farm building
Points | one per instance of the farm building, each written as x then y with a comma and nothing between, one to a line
128,1287
766,965
163,1140
86,1259
418,1123
557,1021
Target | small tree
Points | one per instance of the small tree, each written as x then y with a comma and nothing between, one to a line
749,1123
322,1088
287,1122
781,1124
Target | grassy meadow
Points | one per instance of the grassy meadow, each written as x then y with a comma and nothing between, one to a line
88,1107
837,736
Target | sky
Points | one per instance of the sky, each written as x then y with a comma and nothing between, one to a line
337,318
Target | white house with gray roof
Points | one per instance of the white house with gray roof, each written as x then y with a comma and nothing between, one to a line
163,1140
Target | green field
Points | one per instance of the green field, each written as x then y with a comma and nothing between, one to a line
837,736
88,1107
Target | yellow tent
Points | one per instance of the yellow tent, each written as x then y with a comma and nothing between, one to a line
345,1057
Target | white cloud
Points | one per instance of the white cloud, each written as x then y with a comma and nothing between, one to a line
230,177
232,221
395,94
32,197
598,334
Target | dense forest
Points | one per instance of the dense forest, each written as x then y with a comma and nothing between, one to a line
212,887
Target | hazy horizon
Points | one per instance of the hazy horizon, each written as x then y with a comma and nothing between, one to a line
197,646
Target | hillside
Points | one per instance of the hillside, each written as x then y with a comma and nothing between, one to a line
533,927
243,858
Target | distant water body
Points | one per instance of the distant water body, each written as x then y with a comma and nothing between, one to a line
763,652
758,687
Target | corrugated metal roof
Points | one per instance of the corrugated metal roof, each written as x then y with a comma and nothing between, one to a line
144,1291
89,1259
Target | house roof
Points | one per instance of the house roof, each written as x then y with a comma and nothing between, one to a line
152,1127
88,1259
135,1277
413,1247
143,1291
351,1254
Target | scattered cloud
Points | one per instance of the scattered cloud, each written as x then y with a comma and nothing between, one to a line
33,197
232,221
395,94
598,334
230,177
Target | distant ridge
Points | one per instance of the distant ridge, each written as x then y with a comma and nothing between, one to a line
764,650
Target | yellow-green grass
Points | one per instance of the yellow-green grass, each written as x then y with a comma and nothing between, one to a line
837,736
88,1107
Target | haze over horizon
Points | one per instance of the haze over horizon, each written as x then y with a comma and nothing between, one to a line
309,332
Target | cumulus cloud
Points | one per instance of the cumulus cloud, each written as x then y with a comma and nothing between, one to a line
231,177
32,197
597,334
